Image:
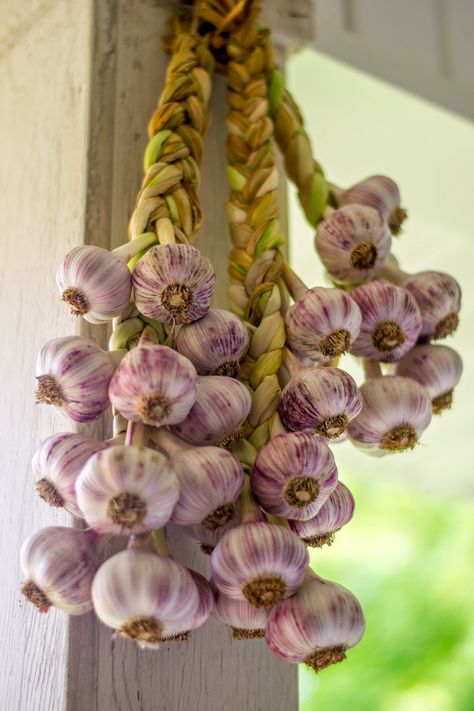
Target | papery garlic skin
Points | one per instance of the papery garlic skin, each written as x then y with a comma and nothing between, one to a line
317,625
127,490
259,562
210,481
179,631
246,620
73,374
59,565
391,321
208,539
438,297
142,595
154,385
95,283
381,193
322,324
215,344
395,413
173,283
353,243
336,511
57,464
221,406
293,475
324,400
437,368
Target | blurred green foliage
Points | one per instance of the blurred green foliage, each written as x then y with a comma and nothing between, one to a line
409,558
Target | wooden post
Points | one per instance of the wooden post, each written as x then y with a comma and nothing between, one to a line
79,82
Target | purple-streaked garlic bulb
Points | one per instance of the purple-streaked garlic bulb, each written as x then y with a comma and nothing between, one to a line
210,481
215,344
59,564
353,243
154,385
144,596
260,562
293,475
395,413
381,193
180,631
391,321
336,511
56,465
95,283
73,374
127,490
246,620
324,400
317,625
322,324
221,406
173,283
438,297
437,368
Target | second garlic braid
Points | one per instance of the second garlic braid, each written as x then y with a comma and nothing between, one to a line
255,262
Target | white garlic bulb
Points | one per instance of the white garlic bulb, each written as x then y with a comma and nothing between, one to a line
154,385
210,481
95,283
56,465
127,490
144,596
173,283
73,374
59,564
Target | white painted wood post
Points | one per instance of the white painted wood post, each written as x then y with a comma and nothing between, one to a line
79,82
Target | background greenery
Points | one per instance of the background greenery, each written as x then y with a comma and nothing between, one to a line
408,554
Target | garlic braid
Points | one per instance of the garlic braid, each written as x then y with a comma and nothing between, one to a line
255,262
295,145
173,154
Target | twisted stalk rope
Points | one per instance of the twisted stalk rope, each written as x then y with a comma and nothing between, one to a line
176,129
294,143
255,262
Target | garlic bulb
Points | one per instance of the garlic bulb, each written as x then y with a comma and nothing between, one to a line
353,243
381,193
396,411
59,564
215,344
180,631
322,324
221,406
322,399
173,283
437,368
127,490
95,283
336,511
144,596
439,299
73,374
316,626
154,385
391,321
246,620
56,465
210,481
259,562
293,475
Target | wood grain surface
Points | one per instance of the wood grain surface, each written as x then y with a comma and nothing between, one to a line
78,88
